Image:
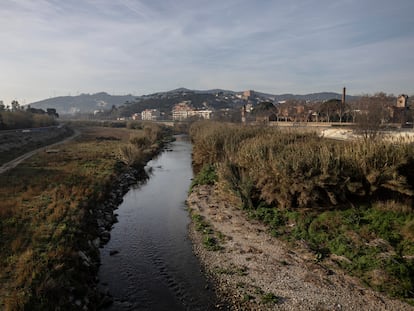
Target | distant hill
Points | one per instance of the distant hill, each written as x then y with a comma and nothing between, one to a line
164,101
212,91
313,96
83,103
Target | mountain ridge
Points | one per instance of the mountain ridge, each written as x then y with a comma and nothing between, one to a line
88,103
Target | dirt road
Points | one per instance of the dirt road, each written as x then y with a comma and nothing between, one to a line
13,163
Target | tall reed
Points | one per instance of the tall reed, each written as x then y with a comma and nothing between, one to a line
294,169
352,199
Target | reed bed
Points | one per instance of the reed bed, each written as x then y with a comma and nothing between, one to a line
142,145
291,169
340,197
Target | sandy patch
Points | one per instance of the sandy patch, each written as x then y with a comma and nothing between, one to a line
348,134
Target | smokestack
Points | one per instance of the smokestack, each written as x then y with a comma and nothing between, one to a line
343,95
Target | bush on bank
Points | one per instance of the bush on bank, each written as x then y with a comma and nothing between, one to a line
142,145
352,199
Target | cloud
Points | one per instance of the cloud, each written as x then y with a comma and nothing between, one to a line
143,46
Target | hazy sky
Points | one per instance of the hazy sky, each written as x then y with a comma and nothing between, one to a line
55,47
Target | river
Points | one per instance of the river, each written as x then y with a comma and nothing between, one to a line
148,264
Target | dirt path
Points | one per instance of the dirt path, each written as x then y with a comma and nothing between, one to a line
12,164
258,272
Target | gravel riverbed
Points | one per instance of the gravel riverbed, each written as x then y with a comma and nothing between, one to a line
255,271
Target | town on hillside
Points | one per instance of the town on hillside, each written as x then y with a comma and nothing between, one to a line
253,107
248,107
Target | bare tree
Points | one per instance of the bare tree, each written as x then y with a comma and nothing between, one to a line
330,110
373,114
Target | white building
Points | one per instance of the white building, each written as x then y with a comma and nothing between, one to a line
184,110
180,111
150,114
205,114
136,116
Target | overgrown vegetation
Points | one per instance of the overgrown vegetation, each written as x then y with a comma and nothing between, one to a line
207,176
142,145
43,215
352,200
24,119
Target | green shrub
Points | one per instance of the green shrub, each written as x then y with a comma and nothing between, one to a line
207,176
211,243
385,225
270,298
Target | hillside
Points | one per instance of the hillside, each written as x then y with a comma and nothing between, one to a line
83,103
313,96
164,101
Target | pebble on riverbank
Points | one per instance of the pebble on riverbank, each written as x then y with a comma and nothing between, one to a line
255,271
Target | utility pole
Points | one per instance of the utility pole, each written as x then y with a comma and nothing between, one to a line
243,115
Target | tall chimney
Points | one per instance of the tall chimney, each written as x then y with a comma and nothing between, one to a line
343,95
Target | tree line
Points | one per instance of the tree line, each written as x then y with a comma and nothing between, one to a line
15,116
379,108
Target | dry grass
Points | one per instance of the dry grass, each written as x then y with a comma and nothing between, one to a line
339,197
23,119
141,145
295,169
42,213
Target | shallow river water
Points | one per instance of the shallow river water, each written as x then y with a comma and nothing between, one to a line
155,268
